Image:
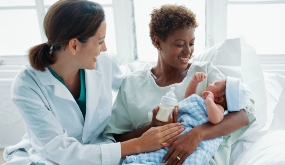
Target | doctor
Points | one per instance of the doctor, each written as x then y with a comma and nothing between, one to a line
65,102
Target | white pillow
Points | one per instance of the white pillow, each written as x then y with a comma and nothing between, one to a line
275,87
269,149
234,57
275,94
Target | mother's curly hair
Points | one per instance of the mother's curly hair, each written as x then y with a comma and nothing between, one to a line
168,18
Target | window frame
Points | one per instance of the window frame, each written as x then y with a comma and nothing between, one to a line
216,30
125,36
125,32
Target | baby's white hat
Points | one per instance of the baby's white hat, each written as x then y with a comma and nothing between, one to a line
237,94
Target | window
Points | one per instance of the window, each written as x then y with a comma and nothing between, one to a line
260,22
22,25
21,28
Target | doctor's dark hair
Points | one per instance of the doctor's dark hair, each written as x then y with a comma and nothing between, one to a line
66,19
168,18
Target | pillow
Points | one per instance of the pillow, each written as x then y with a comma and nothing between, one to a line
275,87
269,148
234,57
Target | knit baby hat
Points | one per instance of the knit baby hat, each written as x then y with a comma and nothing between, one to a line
237,94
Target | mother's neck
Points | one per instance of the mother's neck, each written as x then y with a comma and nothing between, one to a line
167,75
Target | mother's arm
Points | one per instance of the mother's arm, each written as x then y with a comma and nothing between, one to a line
187,143
231,122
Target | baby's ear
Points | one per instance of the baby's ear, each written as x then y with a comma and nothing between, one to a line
219,99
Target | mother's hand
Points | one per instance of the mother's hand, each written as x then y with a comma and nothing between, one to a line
171,119
182,147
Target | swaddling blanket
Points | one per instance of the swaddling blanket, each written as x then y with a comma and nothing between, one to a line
192,112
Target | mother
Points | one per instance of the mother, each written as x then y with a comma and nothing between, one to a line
65,102
172,30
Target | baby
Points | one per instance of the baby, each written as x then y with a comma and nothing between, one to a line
226,94
214,96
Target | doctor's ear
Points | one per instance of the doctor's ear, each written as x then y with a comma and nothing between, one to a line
72,45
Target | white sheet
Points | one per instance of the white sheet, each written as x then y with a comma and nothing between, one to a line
266,146
269,150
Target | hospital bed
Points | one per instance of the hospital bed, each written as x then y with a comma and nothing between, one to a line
264,142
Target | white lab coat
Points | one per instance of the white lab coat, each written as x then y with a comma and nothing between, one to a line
56,130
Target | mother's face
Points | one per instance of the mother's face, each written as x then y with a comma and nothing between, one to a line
178,48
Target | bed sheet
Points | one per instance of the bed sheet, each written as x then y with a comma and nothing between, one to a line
269,150
267,145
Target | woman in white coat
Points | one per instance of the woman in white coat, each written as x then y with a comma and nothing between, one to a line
65,94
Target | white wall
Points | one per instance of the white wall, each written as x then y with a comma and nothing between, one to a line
12,127
11,124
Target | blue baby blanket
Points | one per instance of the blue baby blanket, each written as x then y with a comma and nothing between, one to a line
192,112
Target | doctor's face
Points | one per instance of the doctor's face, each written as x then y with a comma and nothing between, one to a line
92,48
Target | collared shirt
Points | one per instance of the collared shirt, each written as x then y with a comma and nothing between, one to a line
81,101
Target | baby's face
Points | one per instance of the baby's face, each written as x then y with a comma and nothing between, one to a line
216,87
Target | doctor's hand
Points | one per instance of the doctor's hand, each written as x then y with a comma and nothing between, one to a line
154,138
182,146
172,118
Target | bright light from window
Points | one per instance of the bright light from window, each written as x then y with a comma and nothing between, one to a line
19,28
17,3
102,2
19,31
145,49
262,26
49,2
110,39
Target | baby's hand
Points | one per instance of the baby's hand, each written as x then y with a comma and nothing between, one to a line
208,94
198,77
